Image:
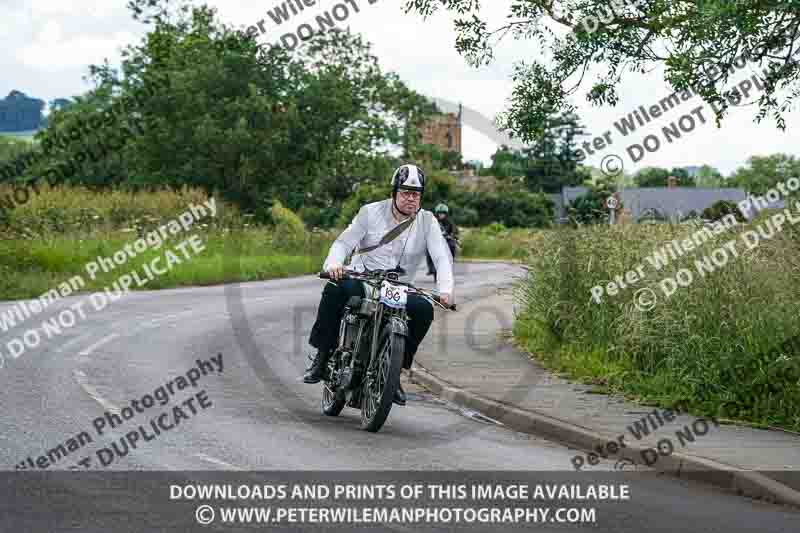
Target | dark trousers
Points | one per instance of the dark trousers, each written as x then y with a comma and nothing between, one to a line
431,267
325,332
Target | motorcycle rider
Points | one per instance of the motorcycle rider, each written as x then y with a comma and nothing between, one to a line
449,230
406,251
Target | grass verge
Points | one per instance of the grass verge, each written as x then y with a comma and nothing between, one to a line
712,348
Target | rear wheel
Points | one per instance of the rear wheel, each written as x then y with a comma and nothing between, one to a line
381,380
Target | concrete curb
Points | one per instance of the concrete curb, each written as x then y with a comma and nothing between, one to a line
481,260
744,482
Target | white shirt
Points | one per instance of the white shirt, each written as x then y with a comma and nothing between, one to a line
372,222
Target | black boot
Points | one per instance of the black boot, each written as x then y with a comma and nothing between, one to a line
399,395
315,372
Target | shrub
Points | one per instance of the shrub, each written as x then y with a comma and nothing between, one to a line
290,232
80,210
590,208
721,208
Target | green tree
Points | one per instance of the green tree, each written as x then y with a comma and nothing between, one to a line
552,161
709,177
764,172
219,111
696,43
12,148
651,177
684,179
59,104
507,163
658,177
590,208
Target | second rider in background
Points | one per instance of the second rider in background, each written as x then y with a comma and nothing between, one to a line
449,232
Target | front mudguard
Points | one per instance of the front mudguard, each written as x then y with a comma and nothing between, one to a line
398,326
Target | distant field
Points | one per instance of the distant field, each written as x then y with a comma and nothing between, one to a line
24,134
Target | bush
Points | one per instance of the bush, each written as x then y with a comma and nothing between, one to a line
80,210
465,216
498,242
590,208
721,208
513,210
290,232
365,194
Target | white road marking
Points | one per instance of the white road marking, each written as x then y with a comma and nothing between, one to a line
80,378
217,461
70,342
98,344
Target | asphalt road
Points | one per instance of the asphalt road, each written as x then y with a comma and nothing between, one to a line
257,415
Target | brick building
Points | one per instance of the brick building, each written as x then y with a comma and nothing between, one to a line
443,131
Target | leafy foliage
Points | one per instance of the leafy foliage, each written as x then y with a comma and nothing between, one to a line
696,43
553,160
709,177
507,163
590,208
208,107
11,148
658,177
720,209
513,210
764,172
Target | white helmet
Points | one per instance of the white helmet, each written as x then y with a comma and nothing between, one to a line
408,177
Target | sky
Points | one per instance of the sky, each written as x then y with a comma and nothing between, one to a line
48,45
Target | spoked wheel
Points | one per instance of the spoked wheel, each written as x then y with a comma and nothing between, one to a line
382,380
332,400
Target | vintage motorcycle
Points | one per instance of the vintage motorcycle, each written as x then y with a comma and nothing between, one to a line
364,370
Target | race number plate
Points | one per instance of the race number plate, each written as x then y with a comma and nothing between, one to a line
394,295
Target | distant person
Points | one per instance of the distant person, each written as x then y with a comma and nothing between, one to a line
449,232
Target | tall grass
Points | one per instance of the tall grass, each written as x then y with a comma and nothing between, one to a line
53,236
495,241
73,210
704,349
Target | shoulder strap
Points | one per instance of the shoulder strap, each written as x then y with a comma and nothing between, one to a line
389,237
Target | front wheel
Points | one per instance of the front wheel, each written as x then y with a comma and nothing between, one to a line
382,380
333,399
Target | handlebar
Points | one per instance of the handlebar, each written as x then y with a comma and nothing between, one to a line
363,277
